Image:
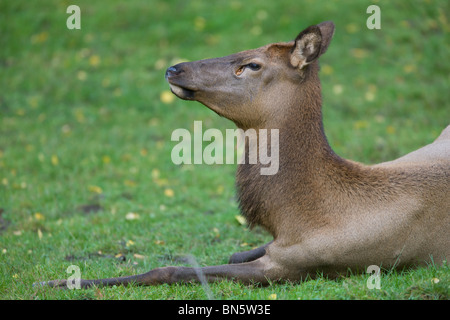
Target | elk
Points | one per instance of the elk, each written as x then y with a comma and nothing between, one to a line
326,214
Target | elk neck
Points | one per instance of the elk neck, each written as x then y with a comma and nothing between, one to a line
306,160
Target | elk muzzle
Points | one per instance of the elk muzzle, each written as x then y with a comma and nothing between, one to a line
177,76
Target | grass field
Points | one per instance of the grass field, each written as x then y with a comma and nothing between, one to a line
86,176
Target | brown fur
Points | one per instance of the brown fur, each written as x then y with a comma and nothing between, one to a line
325,213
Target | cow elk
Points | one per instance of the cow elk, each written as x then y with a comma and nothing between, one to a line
326,214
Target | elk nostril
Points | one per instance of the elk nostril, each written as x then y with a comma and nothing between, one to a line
171,71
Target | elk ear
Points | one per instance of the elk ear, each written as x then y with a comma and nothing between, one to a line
311,43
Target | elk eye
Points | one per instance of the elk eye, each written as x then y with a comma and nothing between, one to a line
254,66
239,71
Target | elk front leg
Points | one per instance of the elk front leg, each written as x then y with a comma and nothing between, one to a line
255,271
246,256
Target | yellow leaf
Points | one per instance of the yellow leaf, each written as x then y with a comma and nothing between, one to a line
409,68
390,129
352,28
106,159
220,189
131,216
39,232
40,37
169,192
167,97
130,243
327,69
359,53
435,280
95,189
240,219
55,160
39,216
94,60
159,242
155,173
79,115
361,124
273,296
138,256
199,23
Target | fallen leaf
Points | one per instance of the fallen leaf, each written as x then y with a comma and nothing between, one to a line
39,216
390,129
155,174
169,192
95,189
327,69
39,232
273,296
131,216
199,23
167,97
94,60
241,220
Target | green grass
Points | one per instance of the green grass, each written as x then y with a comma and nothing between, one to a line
82,126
